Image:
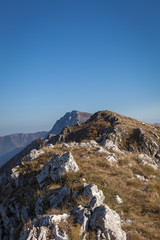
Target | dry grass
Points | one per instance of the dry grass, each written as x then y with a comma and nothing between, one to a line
140,200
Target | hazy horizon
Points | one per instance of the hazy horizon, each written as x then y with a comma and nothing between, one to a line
56,56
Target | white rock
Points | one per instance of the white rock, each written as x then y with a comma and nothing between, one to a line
57,167
50,145
110,145
119,200
108,221
146,160
65,145
102,150
141,178
93,143
85,145
111,158
34,154
41,226
92,193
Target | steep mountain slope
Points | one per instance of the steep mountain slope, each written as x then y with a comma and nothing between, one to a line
69,119
98,180
10,145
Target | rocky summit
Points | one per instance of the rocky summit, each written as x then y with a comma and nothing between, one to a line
94,180
69,119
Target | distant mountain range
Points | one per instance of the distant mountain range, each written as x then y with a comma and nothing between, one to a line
12,144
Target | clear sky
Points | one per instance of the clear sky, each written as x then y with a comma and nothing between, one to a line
86,55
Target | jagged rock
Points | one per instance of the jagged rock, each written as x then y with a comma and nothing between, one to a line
111,158
98,216
82,216
39,206
44,224
14,177
110,145
58,166
92,193
93,143
144,143
34,154
102,150
65,145
155,134
118,199
58,197
141,178
85,145
50,145
146,160
108,221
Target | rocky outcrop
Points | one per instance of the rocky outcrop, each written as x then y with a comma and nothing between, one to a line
58,197
95,215
57,167
144,143
108,222
146,160
34,154
98,216
45,227
69,119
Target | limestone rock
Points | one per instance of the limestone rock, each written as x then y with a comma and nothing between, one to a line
141,178
144,143
96,196
57,167
44,224
118,199
102,150
14,177
34,154
57,198
82,216
110,145
108,221
111,158
146,160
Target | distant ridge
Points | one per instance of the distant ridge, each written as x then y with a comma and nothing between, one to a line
12,144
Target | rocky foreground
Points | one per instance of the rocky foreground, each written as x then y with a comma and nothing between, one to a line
97,180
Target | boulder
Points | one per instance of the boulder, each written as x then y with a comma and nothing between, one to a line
57,167
95,195
111,158
110,145
146,160
34,154
108,221
58,197
101,150
43,226
118,199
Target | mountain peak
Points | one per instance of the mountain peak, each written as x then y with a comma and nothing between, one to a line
69,119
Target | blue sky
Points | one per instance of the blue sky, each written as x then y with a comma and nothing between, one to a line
89,55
